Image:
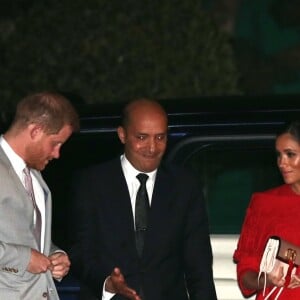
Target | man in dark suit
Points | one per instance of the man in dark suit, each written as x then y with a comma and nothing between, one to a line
174,261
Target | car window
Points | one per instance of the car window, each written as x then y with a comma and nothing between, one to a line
229,169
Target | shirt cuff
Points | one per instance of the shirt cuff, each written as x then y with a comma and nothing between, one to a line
105,294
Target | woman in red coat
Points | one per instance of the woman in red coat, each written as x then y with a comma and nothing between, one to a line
273,212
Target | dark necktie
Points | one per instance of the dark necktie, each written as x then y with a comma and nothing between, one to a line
37,219
141,212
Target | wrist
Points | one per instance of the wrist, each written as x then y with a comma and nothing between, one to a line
108,285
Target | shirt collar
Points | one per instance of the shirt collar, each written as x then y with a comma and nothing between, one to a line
16,161
130,171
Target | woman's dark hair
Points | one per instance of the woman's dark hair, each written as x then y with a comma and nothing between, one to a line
293,128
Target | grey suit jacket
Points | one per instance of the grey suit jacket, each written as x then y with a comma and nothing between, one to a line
17,238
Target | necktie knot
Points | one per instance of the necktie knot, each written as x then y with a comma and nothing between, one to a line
142,177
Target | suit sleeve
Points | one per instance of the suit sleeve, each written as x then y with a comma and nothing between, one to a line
85,263
14,258
197,247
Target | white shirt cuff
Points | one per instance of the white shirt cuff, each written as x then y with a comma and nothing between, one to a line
105,294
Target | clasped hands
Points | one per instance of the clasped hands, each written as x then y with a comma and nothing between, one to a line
58,263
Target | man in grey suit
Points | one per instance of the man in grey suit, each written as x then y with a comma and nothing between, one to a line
28,259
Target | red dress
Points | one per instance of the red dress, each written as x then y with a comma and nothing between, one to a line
273,212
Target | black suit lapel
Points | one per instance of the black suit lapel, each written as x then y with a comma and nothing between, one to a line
160,212
120,200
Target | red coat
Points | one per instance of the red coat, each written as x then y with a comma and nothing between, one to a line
273,212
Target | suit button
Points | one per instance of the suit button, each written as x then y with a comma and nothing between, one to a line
45,294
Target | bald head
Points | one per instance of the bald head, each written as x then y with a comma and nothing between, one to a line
141,107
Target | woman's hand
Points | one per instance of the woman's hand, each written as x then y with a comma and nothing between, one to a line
295,282
276,277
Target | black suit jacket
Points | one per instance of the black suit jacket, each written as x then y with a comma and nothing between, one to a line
177,258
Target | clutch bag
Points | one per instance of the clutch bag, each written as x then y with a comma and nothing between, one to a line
279,253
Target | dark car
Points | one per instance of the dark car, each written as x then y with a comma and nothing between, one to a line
228,142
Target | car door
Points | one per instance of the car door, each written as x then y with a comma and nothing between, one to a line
229,168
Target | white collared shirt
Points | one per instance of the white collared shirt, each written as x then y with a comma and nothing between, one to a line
18,165
133,185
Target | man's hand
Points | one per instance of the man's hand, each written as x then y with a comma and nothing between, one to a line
39,263
60,264
116,284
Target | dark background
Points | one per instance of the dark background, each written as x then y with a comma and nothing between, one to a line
111,50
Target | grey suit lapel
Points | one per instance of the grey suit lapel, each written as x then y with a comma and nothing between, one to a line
11,172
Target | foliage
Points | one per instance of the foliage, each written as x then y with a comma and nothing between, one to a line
111,50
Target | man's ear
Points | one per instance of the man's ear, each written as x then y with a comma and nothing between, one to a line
121,134
35,131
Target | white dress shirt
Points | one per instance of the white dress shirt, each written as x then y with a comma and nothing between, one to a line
133,185
18,165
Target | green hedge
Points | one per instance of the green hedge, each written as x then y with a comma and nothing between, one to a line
113,50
